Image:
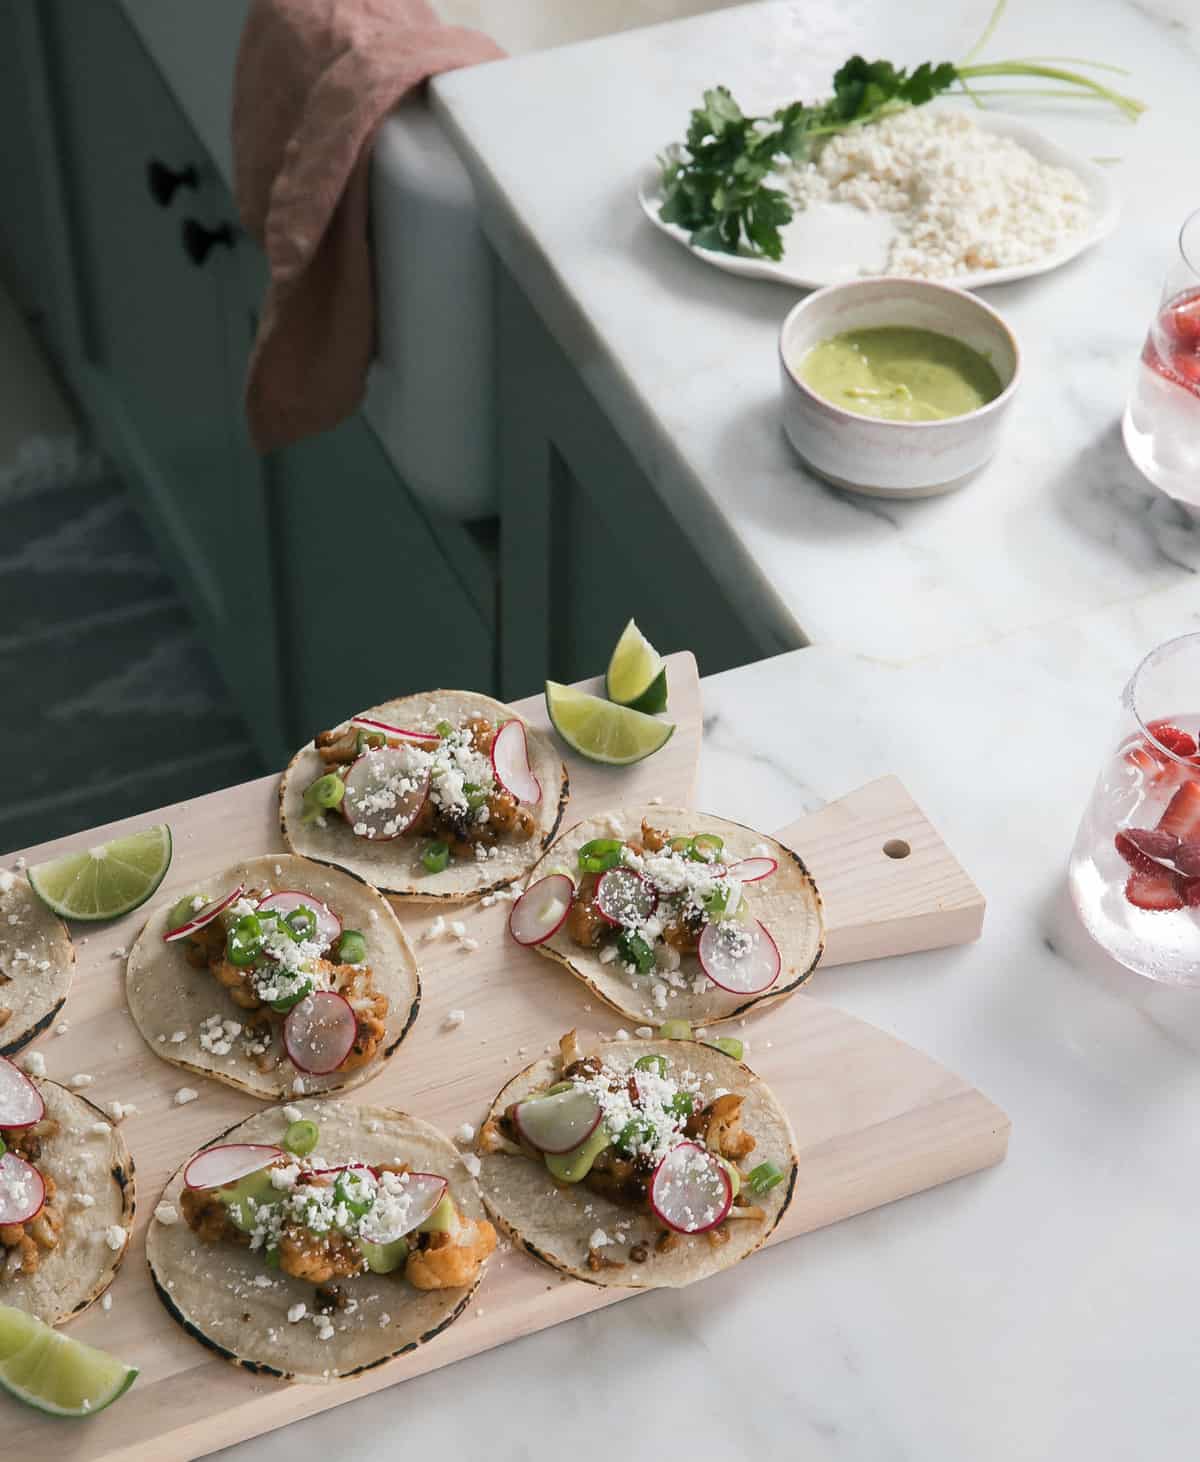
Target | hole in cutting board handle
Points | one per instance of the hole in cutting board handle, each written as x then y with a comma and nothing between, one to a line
897,848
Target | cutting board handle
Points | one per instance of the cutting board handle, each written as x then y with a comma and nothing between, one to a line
890,885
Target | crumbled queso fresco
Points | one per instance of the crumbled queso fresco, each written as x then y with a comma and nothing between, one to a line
682,885
965,198
391,1197
448,767
658,1122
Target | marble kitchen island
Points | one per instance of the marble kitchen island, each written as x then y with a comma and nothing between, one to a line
1040,1311
654,375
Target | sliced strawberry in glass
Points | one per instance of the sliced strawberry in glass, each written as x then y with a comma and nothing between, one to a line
1159,892
1182,816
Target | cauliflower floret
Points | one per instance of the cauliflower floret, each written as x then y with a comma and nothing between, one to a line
451,1261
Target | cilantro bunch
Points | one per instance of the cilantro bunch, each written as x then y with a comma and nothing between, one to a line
716,186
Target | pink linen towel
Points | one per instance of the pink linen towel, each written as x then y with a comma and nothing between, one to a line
314,80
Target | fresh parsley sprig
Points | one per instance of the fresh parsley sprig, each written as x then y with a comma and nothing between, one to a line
715,184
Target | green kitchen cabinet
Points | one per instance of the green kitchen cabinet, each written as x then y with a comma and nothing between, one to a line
317,582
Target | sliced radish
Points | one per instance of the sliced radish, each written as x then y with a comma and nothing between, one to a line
542,909
329,926
218,1167
21,1103
395,1214
558,1123
624,898
384,793
369,723
738,958
691,1191
22,1189
510,762
319,1032
752,870
205,915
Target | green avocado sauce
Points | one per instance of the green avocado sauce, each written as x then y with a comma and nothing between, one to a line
896,373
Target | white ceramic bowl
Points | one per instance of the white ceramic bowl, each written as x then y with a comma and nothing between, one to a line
893,458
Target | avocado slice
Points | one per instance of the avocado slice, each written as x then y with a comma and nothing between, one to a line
574,1166
236,1196
384,1258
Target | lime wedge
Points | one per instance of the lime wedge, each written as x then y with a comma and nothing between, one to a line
636,676
601,731
58,1375
107,880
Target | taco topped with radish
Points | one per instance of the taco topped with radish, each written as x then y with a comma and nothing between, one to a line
66,1197
315,1240
643,1163
37,960
673,914
440,796
277,976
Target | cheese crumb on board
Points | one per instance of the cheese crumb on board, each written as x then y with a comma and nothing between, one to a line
34,1062
184,1095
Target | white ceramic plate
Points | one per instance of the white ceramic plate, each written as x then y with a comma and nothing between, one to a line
827,243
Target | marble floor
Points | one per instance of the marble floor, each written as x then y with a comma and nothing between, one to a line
110,704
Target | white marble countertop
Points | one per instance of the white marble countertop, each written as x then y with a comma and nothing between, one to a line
1042,1310
683,359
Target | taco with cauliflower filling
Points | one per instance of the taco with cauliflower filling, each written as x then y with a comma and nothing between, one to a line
66,1198
314,1241
277,976
668,913
646,1163
442,796
37,960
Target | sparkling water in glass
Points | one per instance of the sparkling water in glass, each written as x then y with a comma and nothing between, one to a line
1162,419
1134,873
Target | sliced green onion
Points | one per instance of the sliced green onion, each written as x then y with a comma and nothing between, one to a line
325,793
716,903
285,1002
476,796
436,857
444,729
352,948
763,1178
681,1104
558,1086
707,847
635,1132
272,1257
729,1044
634,950
301,1137
301,922
350,1189
600,855
675,1030
3,1149
652,1063
244,942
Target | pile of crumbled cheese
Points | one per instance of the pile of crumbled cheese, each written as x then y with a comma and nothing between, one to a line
964,198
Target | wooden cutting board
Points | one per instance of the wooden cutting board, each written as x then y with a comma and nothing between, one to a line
874,1119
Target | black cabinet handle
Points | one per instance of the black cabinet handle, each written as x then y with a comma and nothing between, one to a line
163,181
199,242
